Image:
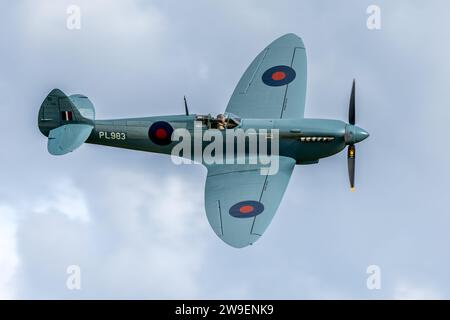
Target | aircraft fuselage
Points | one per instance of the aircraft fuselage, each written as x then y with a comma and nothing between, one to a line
305,140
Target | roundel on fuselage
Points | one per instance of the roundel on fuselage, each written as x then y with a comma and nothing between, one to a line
278,76
160,133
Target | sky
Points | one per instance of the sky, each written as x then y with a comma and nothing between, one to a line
134,222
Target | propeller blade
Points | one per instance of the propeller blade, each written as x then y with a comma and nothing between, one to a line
351,108
351,165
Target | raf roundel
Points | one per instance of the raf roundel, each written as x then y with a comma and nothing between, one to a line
246,209
160,133
278,76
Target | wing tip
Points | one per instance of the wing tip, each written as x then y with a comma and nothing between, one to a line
238,243
288,40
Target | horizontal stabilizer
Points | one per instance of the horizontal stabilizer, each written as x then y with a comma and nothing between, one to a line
67,138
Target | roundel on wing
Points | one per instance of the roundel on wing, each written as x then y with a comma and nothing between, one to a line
278,76
246,209
160,133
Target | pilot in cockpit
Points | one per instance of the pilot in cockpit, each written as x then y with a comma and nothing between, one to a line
221,122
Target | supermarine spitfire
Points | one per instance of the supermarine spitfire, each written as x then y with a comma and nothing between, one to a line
240,202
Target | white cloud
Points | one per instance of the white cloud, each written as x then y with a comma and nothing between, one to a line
145,239
66,199
121,19
409,291
9,259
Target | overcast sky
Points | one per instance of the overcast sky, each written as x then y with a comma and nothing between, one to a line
135,223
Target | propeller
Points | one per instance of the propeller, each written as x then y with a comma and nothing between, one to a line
353,135
351,151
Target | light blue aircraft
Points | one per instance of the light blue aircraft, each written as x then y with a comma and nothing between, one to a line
240,201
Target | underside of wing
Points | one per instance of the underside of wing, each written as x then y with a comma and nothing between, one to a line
274,85
240,202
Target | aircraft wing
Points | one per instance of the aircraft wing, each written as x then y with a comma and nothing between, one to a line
274,85
240,202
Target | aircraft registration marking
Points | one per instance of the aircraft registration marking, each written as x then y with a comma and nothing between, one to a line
112,135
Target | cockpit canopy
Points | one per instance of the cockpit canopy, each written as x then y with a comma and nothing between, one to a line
222,121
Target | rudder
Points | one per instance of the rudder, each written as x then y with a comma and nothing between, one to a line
58,110
66,121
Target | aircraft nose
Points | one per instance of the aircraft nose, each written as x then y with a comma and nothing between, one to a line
360,134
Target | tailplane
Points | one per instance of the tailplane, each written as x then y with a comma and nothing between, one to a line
66,121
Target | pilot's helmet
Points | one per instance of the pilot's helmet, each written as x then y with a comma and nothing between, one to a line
221,117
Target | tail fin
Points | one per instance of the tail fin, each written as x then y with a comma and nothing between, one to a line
66,121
